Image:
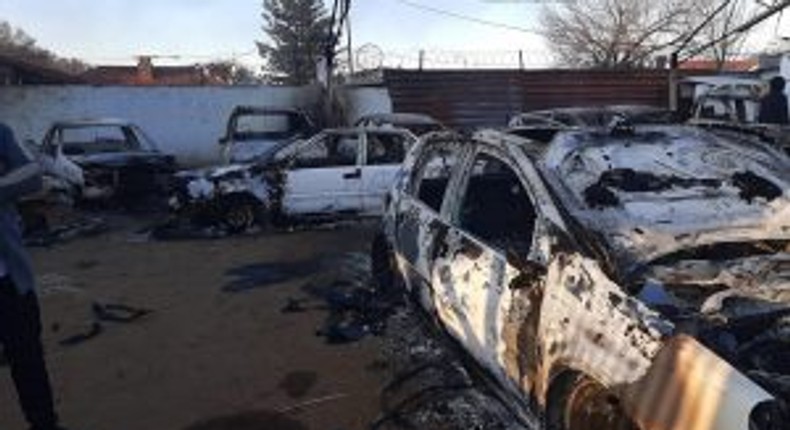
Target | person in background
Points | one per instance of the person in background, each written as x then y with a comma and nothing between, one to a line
773,106
20,322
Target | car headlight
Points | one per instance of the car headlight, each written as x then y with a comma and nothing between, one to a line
770,415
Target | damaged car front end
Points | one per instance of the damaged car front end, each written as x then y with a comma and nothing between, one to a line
630,278
108,160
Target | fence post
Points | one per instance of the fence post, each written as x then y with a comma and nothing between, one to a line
422,58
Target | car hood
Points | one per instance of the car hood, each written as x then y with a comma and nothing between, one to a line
650,199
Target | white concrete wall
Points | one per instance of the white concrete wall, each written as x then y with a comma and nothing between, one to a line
184,121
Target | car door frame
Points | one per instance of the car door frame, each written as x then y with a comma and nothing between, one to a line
342,200
373,200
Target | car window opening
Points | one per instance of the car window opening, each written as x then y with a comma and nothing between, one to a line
496,208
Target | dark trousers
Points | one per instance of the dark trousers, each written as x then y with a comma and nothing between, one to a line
20,336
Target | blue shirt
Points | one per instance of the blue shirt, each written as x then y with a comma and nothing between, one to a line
19,176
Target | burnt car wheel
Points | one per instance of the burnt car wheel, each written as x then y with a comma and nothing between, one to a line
580,403
385,274
240,213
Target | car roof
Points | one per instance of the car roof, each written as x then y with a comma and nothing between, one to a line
90,122
251,109
400,118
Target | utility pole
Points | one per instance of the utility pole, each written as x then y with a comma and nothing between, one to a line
347,13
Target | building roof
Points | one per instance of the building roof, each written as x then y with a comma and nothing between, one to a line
145,73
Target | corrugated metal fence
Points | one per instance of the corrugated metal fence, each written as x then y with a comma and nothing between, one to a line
475,98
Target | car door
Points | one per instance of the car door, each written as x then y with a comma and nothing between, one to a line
324,176
493,216
419,224
384,153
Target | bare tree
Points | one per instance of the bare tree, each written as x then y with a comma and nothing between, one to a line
726,16
613,33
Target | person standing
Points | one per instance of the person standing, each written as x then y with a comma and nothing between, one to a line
20,321
773,106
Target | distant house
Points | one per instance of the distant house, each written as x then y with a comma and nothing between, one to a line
16,71
733,65
146,74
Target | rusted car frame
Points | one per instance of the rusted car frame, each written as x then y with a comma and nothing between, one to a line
592,305
104,159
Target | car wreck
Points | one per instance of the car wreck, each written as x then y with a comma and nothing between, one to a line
338,172
254,131
416,123
731,110
624,278
103,160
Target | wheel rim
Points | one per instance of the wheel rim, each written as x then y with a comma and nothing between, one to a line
591,407
240,217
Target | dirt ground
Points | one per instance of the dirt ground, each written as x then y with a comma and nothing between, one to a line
215,351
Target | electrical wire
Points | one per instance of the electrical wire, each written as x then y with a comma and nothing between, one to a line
467,18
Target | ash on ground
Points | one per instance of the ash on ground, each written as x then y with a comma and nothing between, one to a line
430,388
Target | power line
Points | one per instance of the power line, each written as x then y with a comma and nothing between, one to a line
467,18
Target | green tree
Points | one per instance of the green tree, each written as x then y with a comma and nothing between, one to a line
298,31
16,43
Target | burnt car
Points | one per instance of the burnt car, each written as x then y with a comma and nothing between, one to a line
632,278
105,159
593,116
731,110
335,173
416,123
254,131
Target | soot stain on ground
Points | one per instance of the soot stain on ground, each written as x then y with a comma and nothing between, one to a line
299,383
252,276
253,420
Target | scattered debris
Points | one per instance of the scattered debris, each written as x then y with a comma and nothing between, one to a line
84,226
94,330
102,313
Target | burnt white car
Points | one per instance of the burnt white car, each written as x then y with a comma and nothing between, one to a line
336,172
632,278
255,131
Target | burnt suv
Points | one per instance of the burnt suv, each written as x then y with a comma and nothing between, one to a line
625,278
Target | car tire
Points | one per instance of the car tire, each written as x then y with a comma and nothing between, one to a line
578,402
386,276
240,213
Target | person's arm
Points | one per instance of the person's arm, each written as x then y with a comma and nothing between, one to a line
20,174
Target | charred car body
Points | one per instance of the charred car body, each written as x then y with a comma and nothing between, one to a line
613,279
416,123
255,131
104,159
593,116
336,172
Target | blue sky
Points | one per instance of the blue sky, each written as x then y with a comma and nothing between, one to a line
114,31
